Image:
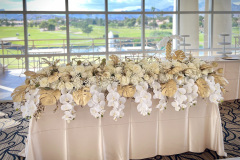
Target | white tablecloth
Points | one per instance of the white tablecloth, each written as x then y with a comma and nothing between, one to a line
131,137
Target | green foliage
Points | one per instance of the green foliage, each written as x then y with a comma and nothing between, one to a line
51,27
86,29
43,24
163,26
160,34
62,28
153,24
31,24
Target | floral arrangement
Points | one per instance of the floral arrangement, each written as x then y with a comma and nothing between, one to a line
111,82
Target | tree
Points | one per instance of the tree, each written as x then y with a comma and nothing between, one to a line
62,28
139,20
153,24
120,24
51,27
86,29
12,24
31,24
43,24
163,26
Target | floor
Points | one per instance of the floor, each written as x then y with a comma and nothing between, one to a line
9,80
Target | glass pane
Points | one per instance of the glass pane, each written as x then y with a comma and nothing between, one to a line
196,26
158,26
226,5
46,34
194,5
87,33
222,24
226,24
125,5
236,32
11,5
11,34
46,5
124,32
83,5
160,5
13,76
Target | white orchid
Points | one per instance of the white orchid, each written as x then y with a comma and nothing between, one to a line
96,103
66,98
66,107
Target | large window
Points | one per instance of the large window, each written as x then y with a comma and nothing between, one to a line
34,29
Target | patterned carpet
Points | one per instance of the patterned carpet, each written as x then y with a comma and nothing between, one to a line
13,131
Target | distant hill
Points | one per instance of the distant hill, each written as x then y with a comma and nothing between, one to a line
235,7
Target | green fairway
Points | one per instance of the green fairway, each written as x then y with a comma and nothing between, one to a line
40,39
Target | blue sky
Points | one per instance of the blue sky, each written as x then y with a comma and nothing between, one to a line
84,5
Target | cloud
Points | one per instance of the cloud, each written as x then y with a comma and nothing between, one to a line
128,8
46,5
13,5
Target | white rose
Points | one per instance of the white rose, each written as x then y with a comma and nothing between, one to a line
61,85
146,77
54,85
44,82
79,69
125,80
69,85
118,76
118,70
62,69
134,80
136,68
205,72
106,74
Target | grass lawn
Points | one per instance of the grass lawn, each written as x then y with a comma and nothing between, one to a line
76,33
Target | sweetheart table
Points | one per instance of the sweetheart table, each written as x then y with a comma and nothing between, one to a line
132,137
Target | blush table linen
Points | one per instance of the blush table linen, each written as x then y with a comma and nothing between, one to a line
132,137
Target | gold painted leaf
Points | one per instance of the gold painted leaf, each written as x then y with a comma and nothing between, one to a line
179,55
205,66
169,50
220,79
82,96
49,97
126,91
53,77
27,81
214,64
19,93
30,73
180,78
115,59
169,88
203,88
219,70
175,70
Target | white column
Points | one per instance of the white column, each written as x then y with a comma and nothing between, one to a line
222,23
